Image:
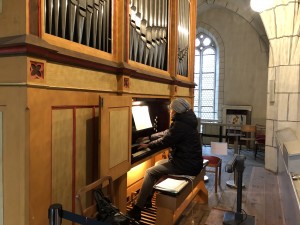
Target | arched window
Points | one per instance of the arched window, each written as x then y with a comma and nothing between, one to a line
206,78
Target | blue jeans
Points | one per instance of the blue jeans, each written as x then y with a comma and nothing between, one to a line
153,174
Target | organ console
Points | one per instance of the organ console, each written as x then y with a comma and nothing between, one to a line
149,116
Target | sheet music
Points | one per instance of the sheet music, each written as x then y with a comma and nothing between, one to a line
141,117
171,185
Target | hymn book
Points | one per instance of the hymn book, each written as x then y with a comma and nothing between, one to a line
170,185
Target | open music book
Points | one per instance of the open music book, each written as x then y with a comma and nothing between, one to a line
173,186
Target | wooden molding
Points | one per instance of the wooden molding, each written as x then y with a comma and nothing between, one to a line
92,63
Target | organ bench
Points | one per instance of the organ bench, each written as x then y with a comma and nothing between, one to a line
169,208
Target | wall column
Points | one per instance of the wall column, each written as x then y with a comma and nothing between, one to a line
282,24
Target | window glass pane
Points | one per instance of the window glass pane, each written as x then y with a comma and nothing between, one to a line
208,63
208,81
208,76
196,79
207,116
207,98
209,51
207,85
197,64
205,104
207,109
197,42
196,102
206,41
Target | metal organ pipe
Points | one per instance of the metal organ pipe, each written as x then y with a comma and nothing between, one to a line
100,23
96,11
56,15
183,37
49,10
72,16
89,19
64,6
81,16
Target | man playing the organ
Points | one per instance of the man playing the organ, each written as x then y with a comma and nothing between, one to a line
185,156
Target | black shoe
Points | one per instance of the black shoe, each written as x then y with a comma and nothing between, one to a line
135,213
148,204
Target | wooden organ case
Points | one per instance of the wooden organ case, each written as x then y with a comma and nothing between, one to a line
57,61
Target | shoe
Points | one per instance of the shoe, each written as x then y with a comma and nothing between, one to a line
148,204
135,213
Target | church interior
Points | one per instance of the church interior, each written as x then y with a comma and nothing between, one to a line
82,80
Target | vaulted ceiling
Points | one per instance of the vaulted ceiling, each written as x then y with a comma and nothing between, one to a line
240,7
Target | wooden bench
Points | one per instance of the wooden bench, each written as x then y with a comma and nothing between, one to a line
169,208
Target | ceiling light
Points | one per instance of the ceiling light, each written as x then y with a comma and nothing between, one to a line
261,5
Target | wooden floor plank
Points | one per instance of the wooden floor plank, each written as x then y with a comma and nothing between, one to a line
260,196
254,203
272,200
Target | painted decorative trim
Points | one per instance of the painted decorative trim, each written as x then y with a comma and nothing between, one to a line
112,68
126,82
123,83
36,70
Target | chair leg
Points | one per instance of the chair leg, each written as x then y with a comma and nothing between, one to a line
216,180
255,152
220,169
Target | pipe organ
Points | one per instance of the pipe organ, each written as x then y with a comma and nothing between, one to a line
87,22
183,36
148,32
80,65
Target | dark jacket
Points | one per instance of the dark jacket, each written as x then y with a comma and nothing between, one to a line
183,139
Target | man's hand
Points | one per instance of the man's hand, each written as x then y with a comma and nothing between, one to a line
143,146
142,139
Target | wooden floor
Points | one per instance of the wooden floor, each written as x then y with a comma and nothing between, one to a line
260,197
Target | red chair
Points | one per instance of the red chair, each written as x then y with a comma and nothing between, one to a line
215,163
260,138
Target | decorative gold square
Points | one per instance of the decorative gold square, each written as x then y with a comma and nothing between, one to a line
36,70
124,83
173,90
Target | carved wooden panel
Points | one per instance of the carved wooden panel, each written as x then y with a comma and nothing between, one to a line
62,147
118,126
115,135
74,150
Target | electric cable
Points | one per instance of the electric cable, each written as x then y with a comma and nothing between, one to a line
244,219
